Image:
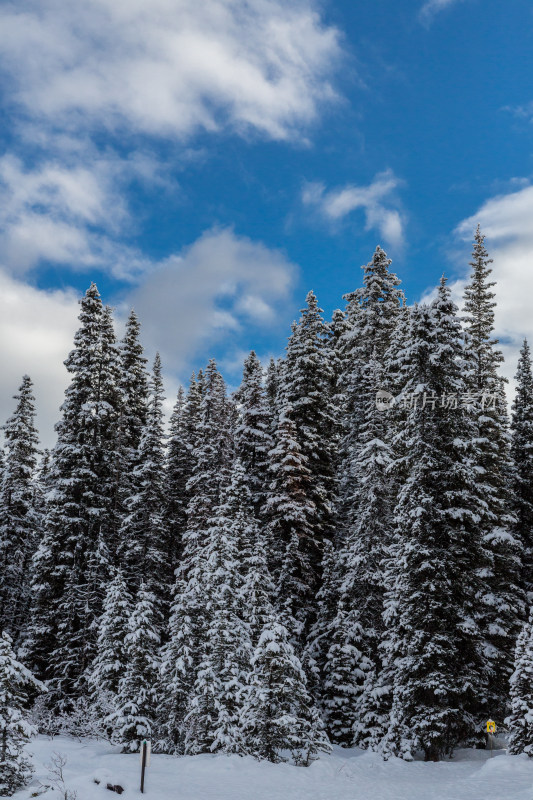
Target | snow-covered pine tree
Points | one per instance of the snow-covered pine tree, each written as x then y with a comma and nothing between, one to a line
134,383
258,589
215,705
108,443
272,394
318,640
19,511
522,455
368,514
71,565
179,659
182,441
291,543
279,716
339,329
368,328
362,337
520,720
134,389
178,470
144,534
306,384
252,436
212,452
136,702
110,662
347,664
207,426
16,682
431,642
501,601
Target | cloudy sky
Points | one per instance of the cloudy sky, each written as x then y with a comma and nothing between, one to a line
209,162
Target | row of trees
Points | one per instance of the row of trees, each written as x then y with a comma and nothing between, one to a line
291,564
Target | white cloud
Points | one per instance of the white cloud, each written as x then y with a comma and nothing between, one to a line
139,72
210,292
524,111
68,213
169,67
215,288
506,222
36,328
375,200
432,7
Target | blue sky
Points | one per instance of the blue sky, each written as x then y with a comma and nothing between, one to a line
211,162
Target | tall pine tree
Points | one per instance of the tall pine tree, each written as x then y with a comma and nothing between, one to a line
522,455
290,514
19,511
306,385
279,716
431,640
520,720
71,565
215,705
144,534
208,434
16,682
136,701
252,435
501,600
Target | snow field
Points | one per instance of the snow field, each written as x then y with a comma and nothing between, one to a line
344,775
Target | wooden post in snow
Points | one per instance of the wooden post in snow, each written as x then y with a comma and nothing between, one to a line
145,760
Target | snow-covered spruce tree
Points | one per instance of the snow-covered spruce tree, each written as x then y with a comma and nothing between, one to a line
279,717
356,628
368,329
252,435
110,408
374,697
136,702
71,565
134,383
522,455
432,643
272,379
339,330
501,607
362,338
182,442
135,392
110,662
189,615
85,507
215,706
318,641
258,588
290,514
306,384
19,511
520,720
347,664
178,470
145,554
15,729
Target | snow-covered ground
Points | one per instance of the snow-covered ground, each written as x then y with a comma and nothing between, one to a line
345,775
